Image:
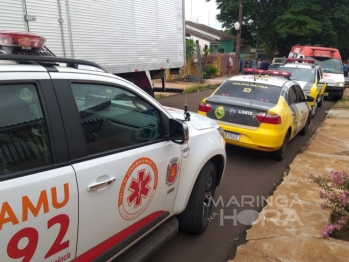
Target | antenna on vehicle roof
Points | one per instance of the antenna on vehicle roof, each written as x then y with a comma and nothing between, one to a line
186,113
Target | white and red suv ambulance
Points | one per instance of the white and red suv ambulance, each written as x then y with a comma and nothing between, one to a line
91,167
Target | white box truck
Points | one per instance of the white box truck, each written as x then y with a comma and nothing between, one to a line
135,39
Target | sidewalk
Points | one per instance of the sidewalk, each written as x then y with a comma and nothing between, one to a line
295,236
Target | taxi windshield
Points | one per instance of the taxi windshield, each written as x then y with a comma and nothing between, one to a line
329,65
250,90
300,74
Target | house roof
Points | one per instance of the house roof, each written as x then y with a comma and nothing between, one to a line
190,32
210,30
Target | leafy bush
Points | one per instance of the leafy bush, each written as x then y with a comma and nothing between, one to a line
211,70
335,192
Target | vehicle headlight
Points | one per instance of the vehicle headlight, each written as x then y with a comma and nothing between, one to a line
340,84
307,92
221,131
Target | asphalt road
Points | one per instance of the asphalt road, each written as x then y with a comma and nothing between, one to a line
248,173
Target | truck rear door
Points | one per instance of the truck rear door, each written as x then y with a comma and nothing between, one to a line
38,190
50,20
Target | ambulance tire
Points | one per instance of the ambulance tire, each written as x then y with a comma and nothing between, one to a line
195,218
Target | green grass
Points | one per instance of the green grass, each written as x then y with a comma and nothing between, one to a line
159,96
198,88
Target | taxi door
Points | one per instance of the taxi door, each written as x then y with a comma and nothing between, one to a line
302,108
321,87
38,190
293,104
127,171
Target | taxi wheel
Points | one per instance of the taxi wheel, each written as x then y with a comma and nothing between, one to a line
281,153
195,218
314,109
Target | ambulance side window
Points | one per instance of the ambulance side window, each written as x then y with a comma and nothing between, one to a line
24,142
113,118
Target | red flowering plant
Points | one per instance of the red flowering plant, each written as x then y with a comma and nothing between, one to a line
335,193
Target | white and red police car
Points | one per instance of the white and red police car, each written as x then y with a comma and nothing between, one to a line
91,167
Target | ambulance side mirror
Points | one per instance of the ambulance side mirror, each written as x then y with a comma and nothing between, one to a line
179,132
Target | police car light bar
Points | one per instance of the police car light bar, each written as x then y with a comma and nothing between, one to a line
25,40
300,60
267,72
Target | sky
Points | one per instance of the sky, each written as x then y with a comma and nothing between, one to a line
202,12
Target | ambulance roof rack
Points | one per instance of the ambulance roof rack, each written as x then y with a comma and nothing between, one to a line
74,63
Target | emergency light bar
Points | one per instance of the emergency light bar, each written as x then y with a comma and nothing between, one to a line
267,72
300,60
25,40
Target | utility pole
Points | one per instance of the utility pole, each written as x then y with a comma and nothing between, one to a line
198,54
238,42
191,10
257,41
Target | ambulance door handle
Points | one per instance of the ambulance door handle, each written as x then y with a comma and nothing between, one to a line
99,185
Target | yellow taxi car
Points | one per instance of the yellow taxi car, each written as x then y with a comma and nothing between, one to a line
262,111
310,78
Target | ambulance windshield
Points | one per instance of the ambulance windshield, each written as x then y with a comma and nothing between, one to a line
329,65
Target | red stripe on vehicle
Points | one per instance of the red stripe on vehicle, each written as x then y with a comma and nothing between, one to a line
109,243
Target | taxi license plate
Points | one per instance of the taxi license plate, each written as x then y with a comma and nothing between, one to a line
233,136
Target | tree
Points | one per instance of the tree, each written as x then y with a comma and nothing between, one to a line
283,23
190,48
206,50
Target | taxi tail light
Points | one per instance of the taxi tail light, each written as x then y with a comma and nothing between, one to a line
265,118
203,107
25,40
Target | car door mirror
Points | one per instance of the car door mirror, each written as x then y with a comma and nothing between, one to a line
179,132
309,99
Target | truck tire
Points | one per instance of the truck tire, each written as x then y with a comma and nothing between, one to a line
195,218
281,153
